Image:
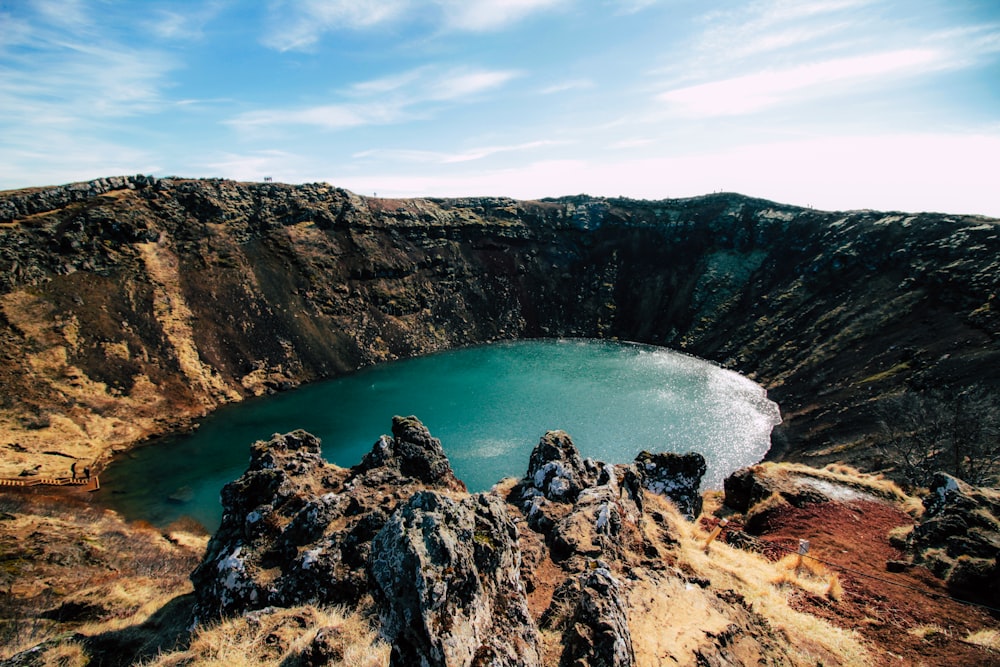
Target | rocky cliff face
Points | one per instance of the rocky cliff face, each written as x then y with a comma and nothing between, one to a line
131,306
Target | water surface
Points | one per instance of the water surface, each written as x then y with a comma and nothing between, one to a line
489,405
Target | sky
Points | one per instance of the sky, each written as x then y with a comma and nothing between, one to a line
835,104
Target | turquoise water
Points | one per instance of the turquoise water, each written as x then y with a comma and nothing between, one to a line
489,406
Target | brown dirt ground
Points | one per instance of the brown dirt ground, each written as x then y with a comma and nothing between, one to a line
884,607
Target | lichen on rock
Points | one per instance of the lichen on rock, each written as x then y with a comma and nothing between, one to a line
445,576
296,529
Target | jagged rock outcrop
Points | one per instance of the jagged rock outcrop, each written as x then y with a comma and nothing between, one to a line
130,306
555,469
748,487
411,453
446,581
458,579
296,529
584,507
958,538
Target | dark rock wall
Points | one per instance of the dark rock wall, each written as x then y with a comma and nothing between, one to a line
129,306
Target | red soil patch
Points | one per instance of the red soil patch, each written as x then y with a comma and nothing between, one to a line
851,539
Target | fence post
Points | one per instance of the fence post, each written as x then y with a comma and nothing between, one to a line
715,532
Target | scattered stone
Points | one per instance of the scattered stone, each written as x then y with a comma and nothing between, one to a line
898,565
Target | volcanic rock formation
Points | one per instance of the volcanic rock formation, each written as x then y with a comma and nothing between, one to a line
454,577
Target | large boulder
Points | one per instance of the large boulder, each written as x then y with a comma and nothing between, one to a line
676,476
445,578
556,469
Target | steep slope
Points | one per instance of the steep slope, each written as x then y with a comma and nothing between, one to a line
132,306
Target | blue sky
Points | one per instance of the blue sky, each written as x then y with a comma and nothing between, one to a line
836,104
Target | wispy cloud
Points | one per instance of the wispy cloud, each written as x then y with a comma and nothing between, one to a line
631,6
71,14
183,25
83,81
300,24
626,144
67,89
754,92
485,15
565,86
402,155
63,66
460,84
770,29
772,53
386,100
327,117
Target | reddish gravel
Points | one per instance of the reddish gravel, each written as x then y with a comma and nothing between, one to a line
853,536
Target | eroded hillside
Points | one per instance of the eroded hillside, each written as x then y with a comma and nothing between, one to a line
132,306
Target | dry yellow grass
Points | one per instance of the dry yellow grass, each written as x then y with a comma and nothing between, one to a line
121,575
68,654
772,502
281,637
986,638
834,589
812,640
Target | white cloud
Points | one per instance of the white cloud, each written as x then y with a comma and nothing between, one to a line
300,24
632,6
754,92
386,100
389,84
402,155
767,42
789,29
486,15
328,117
464,83
71,14
189,23
626,144
57,76
565,86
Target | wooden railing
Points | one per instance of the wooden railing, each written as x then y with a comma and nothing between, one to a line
93,482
